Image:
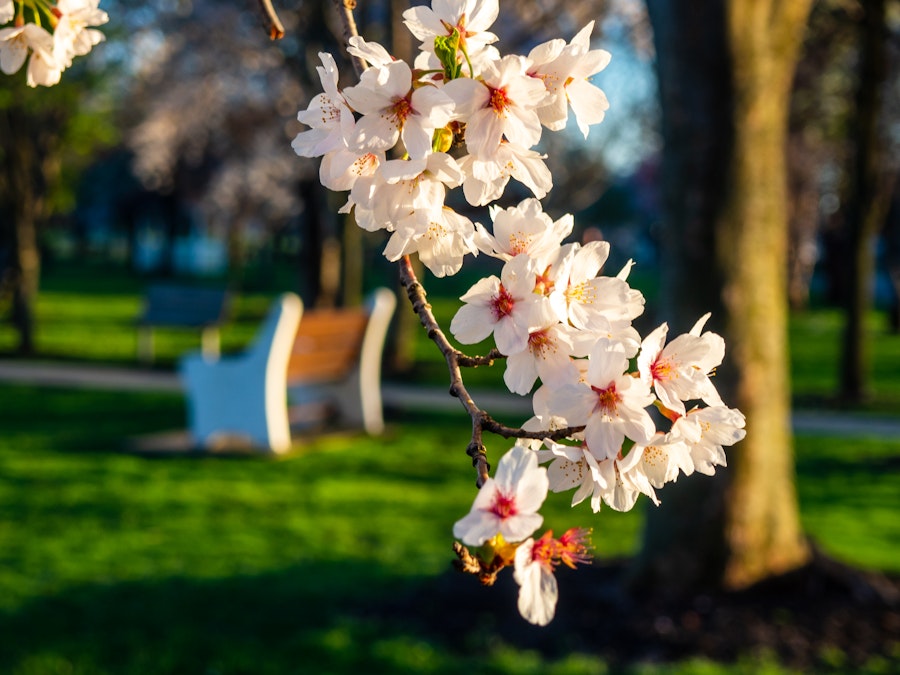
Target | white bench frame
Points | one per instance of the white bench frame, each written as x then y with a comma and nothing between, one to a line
244,398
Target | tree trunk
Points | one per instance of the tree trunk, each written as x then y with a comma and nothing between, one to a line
868,202
22,164
725,74
892,256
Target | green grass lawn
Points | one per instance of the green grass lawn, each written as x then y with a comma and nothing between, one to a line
815,339
113,563
90,314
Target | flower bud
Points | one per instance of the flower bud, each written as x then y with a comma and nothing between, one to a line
442,140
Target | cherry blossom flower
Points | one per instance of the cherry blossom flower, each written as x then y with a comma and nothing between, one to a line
548,354
506,504
524,228
330,119
706,430
609,402
540,423
619,488
399,188
486,178
573,467
7,11
442,238
371,52
501,104
565,70
538,590
534,564
15,45
678,371
711,361
607,480
592,302
660,460
43,68
393,109
341,168
471,18
17,41
74,35
506,307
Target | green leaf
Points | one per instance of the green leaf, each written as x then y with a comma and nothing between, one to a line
446,48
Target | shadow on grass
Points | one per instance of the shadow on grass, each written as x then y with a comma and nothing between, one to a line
317,617
351,617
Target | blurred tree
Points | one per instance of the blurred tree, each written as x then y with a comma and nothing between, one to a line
211,119
821,103
725,72
48,135
871,185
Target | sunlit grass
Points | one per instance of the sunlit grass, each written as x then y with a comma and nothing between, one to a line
113,563
849,493
815,339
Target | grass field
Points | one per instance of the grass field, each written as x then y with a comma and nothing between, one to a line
111,563
114,563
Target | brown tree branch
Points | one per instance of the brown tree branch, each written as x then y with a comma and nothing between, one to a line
345,14
481,420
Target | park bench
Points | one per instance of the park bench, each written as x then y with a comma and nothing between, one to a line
327,360
175,306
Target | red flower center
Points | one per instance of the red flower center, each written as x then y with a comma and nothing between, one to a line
503,506
662,370
401,109
502,304
607,399
499,101
540,342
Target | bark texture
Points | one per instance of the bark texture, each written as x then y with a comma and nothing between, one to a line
725,75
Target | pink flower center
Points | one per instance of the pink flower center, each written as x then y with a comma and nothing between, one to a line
401,109
503,506
499,101
540,342
574,547
502,304
607,399
544,550
662,370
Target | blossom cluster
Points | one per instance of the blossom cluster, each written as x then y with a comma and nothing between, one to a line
388,139
637,412
48,35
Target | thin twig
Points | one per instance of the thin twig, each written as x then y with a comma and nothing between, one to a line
345,14
481,420
273,24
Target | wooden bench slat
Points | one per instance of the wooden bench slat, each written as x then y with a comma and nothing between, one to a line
327,345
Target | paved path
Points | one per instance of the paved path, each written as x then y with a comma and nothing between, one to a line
395,395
